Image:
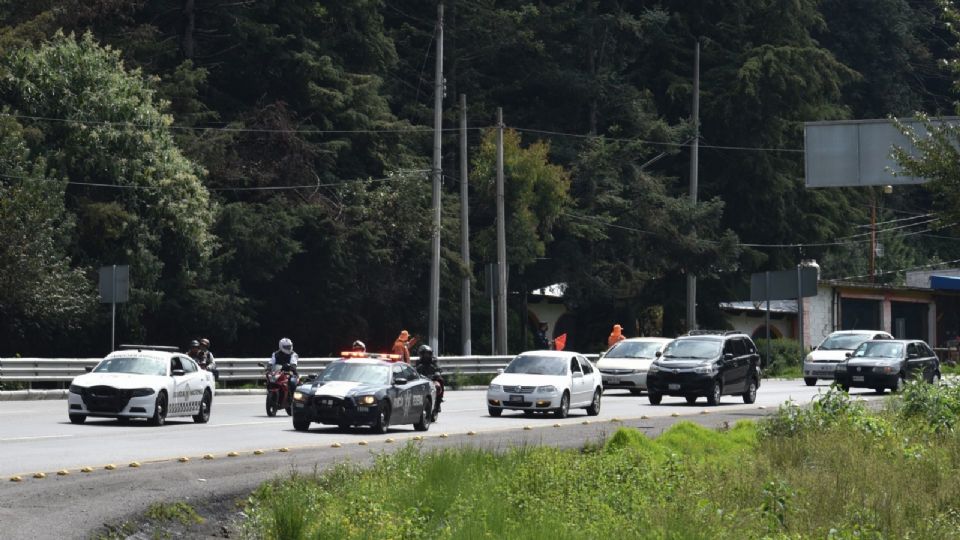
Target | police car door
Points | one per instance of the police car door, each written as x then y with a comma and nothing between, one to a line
193,381
399,395
414,389
181,387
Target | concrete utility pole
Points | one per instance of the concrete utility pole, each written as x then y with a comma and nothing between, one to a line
501,245
437,174
464,232
694,173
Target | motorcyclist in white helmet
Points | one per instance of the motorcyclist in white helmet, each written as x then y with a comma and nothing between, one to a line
286,359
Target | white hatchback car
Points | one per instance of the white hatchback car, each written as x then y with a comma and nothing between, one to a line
625,364
822,362
142,382
554,381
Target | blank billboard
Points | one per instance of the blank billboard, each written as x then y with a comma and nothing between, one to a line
854,153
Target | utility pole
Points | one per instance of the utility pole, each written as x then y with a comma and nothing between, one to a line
501,245
464,232
435,245
694,172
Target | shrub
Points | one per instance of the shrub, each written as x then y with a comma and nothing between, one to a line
938,406
784,355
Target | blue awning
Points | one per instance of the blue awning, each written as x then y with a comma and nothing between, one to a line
945,283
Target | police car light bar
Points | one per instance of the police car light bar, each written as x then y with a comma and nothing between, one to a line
378,356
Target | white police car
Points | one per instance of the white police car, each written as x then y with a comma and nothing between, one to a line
140,381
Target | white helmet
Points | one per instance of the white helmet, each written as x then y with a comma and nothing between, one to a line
286,345
359,346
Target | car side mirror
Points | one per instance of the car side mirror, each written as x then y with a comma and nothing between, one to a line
88,369
178,372
659,354
849,354
499,371
399,381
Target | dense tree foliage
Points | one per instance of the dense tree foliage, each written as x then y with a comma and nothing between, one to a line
263,166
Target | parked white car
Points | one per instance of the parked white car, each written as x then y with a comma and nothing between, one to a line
822,362
625,364
542,381
152,383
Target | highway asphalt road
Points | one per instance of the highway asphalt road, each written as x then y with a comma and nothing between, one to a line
36,437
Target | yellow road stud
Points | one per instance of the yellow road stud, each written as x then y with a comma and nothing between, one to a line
110,467
63,472
184,459
86,469
258,452
362,443
443,435
284,449
134,464
15,479
336,445
676,414
390,440
208,456
471,432
233,454
527,428
644,417
556,425
39,475
418,437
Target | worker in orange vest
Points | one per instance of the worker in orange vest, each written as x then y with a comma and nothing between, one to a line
616,336
402,346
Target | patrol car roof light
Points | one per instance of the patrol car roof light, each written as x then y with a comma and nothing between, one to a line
167,348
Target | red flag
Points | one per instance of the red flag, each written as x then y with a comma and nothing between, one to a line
560,342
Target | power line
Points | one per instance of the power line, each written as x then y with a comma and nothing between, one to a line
657,143
897,271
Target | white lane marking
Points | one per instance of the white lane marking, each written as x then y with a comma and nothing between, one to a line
10,439
251,423
25,411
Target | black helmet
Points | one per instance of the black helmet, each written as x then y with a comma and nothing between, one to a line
426,351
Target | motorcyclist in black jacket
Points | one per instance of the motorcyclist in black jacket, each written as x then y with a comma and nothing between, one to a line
428,367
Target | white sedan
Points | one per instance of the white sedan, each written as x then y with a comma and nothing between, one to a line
542,381
142,382
625,364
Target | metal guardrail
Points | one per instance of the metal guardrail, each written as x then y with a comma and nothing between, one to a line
63,370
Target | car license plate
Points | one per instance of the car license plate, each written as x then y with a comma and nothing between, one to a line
516,398
612,381
858,378
673,386
363,409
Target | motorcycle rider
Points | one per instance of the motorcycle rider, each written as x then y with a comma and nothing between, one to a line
195,353
287,360
428,367
207,360
359,346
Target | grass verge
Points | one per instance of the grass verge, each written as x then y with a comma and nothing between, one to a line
833,470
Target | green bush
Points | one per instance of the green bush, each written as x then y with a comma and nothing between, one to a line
785,356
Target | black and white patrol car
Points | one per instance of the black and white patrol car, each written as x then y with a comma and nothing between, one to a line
365,392
140,381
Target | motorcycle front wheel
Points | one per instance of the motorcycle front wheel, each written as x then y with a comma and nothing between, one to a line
271,404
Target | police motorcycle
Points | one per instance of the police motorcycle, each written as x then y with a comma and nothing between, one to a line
427,366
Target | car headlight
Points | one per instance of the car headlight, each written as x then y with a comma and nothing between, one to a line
885,369
708,369
140,392
548,389
74,389
298,396
366,400
495,388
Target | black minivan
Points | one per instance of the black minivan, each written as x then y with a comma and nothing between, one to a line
709,364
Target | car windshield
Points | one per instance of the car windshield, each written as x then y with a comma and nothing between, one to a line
361,373
135,365
843,342
699,349
538,365
879,349
634,349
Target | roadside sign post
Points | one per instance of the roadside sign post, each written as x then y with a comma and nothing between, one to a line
784,285
114,289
